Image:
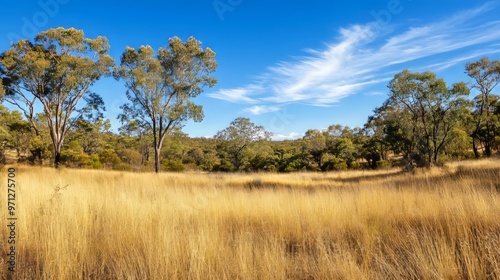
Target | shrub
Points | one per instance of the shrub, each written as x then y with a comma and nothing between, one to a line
384,164
174,165
330,163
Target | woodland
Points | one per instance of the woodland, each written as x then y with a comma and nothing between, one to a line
50,116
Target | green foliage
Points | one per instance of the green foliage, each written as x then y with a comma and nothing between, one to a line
485,115
420,114
331,162
262,157
224,165
236,141
459,147
383,164
92,161
109,158
2,89
131,157
74,156
497,144
172,165
15,134
314,143
210,160
38,147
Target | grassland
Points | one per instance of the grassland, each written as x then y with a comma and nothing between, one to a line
79,224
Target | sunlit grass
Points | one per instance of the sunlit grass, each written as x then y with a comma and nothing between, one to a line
435,224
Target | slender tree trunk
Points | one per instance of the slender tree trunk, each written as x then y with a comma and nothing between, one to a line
487,149
409,156
58,143
57,158
38,153
145,154
57,151
436,152
474,148
382,151
157,160
236,163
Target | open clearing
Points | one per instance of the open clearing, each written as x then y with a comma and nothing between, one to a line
441,223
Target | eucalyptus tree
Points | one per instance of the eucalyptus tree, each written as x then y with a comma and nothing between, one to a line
236,139
161,86
14,132
56,71
486,76
315,143
426,110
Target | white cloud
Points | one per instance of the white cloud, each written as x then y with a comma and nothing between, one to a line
238,95
375,93
261,109
461,59
290,136
363,56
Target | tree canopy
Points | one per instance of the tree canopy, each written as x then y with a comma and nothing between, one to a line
425,110
236,138
486,76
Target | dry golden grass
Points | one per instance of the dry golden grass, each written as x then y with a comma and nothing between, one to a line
435,224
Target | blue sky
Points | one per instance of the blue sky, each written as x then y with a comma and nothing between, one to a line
287,65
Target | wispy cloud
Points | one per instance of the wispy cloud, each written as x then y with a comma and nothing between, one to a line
262,109
374,93
461,59
238,95
365,55
289,136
